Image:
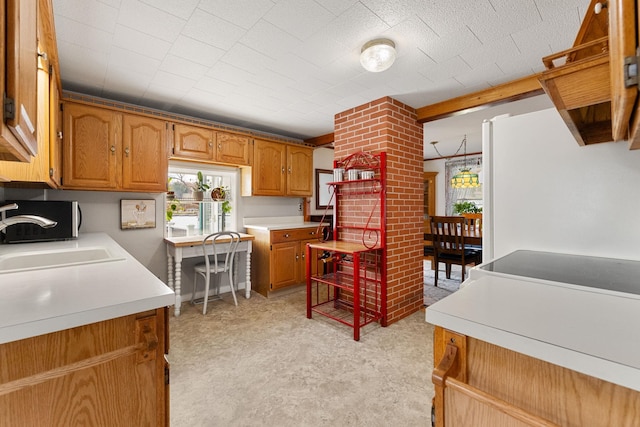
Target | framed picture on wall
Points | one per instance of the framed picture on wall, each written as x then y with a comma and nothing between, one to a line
135,214
323,195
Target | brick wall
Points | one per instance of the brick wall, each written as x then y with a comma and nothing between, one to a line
388,125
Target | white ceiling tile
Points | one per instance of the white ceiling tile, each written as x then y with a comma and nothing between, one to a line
244,57
450,44
505,17
451,16
212,30
183,67
293,66
270,40
244,13
172,81
354,27
196,51
394,12
82,63
479,77
182,9
92,13
495,50
150,20
230,74
336,6
310,85
445,69
215,86
300,18
125,82
135,62
83,35
144,44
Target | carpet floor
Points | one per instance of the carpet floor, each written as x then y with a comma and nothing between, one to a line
263,363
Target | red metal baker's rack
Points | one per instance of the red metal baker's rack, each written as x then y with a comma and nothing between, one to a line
346,277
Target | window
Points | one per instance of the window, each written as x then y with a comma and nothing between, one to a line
190,216
455,195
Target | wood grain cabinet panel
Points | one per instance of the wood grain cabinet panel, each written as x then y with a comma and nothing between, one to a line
279,170
110,373
233,149
193,143
278,258
108,150
145,162
92,145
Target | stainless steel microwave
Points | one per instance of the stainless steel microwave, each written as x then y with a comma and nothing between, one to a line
67,214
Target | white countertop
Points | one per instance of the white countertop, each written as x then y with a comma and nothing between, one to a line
42,301
583,329
279,223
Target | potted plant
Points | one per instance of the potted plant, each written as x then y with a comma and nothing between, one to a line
219,194
466,207
200,187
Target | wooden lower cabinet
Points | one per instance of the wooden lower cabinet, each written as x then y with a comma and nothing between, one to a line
110,373
480,384
278,258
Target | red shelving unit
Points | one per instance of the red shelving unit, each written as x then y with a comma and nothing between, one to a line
346,277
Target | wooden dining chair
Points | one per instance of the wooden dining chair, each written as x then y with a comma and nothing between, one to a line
474,227
448,239
429,250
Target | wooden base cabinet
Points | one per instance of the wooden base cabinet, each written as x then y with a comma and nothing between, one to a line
111,373
278,258
480,384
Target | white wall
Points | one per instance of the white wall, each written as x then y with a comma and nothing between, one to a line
552,194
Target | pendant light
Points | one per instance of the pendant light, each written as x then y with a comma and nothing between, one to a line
465,178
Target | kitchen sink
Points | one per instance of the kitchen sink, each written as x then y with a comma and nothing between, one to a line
35,260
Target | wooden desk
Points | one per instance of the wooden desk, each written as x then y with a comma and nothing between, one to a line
190,247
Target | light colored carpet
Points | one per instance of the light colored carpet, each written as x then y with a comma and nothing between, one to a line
445,286
264,363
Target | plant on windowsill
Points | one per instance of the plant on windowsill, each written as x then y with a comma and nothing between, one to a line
200,187
466,207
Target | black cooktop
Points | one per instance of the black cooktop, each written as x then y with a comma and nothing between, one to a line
595,272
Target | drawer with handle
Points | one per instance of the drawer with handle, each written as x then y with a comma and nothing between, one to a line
292,234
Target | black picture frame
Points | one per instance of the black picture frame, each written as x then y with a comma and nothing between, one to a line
323,195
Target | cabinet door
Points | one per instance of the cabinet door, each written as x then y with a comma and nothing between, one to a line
194,143
302,264
91,147
268,176
21,70
55,129
110,373
233,149
284,271
299,171
144,162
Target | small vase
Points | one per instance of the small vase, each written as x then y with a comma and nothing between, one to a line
198,195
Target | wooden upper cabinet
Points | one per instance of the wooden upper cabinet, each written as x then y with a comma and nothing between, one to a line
269,169
299,171
279,170
91,147
144,150
18,79
233,149
55,130
107,150
624,38
193,143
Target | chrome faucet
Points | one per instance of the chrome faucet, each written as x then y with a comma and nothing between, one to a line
24,219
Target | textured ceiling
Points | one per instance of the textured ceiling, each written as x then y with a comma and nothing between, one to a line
288,66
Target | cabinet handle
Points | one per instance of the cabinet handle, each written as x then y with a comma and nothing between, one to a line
219,146
297,257
289,169
312,233
126,152
113,149
60,135
283,169
286,235
210,143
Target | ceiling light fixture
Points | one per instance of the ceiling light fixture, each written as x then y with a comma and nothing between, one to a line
465,178
378,55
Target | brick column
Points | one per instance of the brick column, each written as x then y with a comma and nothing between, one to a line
388,125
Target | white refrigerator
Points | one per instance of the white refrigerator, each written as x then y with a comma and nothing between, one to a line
544,192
